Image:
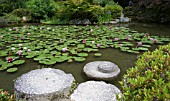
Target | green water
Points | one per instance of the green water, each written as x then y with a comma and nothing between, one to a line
122,59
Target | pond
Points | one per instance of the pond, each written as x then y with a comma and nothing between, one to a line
124,60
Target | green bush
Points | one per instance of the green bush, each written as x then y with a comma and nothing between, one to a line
96,13
78,10
149,80
71,11
7,6
101,2
11,18
5,96
76,2
21,12
41,9
115,10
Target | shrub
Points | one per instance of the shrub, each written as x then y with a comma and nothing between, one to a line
21,12
5,8
115,10
71,11
8,6
76,2
77,11
11,18
41,9
101,2
5,96
149,80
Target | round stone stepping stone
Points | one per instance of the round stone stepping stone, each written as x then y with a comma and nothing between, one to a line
95,91
101,70
45,84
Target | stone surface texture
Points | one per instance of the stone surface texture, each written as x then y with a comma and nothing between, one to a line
101,70
45,84
95,91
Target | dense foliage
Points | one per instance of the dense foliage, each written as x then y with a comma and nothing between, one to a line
41,9
59,11
149,80
149,11
5,96
8,6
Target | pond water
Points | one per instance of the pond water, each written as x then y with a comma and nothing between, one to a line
122,59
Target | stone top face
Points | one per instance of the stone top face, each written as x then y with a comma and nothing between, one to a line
106,67
43,81
99,70
95,91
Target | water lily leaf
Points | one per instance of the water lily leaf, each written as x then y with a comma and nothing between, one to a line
97,54
3,68
82,54
165,39
5,65
48,61
10,70
3,53
132,51
30,56
95,50
1,62
140,49
80,46
73,52
18,62
60,59
70,60
88,49
79,59
146,46
65,54
124,48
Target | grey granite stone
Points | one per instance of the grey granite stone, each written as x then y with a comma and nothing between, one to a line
101,70
45,84
95,91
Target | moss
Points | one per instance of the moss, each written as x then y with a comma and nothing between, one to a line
149,80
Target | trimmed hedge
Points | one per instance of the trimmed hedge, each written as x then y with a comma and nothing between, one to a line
149,80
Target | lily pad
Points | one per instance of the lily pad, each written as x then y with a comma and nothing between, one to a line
18,62
97,54
10,70
79,59
82,54
3,53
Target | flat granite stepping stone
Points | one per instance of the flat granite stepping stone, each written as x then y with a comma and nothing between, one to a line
102,70
45,84
95,91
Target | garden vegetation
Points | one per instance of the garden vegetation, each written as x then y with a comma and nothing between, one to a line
59,11
149,80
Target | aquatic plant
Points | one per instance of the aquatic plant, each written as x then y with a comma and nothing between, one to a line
49,45
10,59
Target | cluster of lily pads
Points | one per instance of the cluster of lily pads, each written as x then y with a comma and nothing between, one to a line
52,44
